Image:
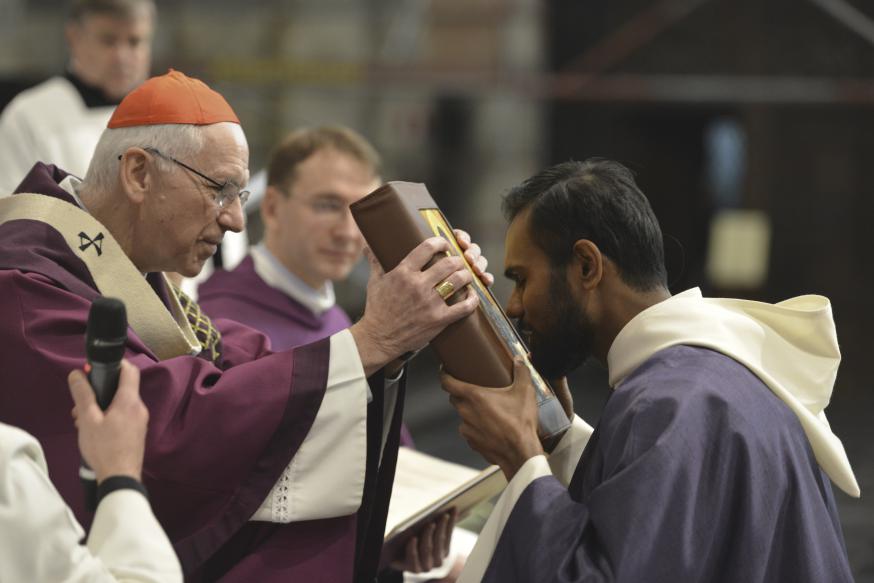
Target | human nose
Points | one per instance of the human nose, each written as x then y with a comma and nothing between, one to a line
346,227
121,52
231,217
514,306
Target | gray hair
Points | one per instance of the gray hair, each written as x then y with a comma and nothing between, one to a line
180,141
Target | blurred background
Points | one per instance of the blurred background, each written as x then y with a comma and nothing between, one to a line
749,124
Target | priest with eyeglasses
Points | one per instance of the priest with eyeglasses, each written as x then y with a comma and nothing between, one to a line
248,450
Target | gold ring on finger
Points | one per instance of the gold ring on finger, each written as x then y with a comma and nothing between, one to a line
445,289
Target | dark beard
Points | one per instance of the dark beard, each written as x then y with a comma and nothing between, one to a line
566,342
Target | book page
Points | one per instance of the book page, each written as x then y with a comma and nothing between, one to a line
421,480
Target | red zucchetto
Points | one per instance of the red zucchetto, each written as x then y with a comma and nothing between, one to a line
172,98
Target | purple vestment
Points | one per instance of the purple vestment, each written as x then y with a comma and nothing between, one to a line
243,296
219,436
695,472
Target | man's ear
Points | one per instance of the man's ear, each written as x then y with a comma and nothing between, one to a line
71,34
588,264
133,174
270,205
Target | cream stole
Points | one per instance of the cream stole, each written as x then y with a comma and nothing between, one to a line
166,333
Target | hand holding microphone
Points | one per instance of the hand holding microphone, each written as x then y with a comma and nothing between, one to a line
112,427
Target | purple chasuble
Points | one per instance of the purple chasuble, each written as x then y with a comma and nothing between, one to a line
219,437
241,295
696,472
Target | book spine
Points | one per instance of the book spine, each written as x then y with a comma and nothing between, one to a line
390,231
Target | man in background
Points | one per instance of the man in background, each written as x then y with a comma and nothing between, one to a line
61,119
284,287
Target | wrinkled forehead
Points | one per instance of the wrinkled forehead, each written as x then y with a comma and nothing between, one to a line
230,133
225,151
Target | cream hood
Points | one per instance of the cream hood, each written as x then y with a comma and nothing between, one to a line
791,346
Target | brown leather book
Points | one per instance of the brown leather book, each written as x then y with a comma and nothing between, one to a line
479,348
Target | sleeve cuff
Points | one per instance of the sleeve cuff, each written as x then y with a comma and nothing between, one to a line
113,483
479,559
564,458
333,451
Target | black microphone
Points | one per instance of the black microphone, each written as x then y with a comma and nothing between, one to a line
105,339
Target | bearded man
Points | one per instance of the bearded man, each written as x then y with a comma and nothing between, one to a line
711,460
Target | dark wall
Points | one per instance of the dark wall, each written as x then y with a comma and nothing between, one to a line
663,146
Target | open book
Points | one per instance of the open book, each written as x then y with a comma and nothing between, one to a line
426,486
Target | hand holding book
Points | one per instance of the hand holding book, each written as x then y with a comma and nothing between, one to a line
478,348
425,490
500,424
403,312
428,548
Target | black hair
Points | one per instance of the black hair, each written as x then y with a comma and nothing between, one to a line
598,200
121,9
